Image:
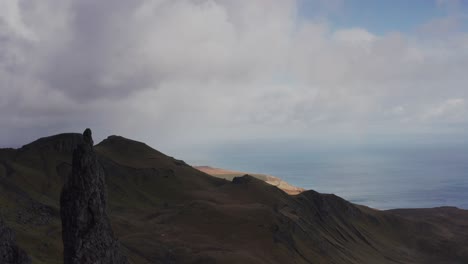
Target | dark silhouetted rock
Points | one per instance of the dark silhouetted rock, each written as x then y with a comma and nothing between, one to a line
180,162
10,253
87,137
86,231
243,179
62,143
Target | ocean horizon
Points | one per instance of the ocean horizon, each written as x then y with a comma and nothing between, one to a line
381,176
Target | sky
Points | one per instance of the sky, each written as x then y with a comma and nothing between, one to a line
178,73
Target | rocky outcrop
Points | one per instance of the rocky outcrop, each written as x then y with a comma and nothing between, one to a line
32,212
243,179
86,231
10,253
230,175
288,188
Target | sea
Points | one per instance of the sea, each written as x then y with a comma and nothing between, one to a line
381,176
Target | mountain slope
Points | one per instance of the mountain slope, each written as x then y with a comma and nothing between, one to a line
229,175
165,211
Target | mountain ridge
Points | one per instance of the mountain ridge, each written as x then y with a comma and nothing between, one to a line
230,174
165,211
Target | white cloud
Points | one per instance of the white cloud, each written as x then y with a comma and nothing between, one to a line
450,110
11,20
153,68
354,36
398,110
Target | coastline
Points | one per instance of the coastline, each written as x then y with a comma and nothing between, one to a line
230,174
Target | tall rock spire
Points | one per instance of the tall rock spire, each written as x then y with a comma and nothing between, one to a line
86,231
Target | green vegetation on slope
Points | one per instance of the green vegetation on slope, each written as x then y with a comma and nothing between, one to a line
164,211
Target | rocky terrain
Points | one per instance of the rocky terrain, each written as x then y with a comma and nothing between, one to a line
86,230
165,211
10,253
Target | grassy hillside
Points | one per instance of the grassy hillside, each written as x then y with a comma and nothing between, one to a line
165,211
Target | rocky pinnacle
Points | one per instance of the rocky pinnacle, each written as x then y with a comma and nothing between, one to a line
86,231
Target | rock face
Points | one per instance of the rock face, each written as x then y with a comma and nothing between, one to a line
86,231
10,253
242,179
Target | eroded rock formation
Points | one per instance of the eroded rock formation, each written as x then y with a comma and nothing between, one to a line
86,231
10,253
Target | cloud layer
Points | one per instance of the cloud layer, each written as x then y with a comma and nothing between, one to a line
209,70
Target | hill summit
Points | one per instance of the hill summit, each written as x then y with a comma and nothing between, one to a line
165,211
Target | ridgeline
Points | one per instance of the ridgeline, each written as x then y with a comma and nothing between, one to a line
165,211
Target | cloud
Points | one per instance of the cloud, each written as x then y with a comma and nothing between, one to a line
213,69
450,110
354,36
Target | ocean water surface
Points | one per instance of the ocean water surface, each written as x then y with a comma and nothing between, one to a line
379,176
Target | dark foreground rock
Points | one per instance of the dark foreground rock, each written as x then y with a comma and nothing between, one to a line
10,253
86,231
